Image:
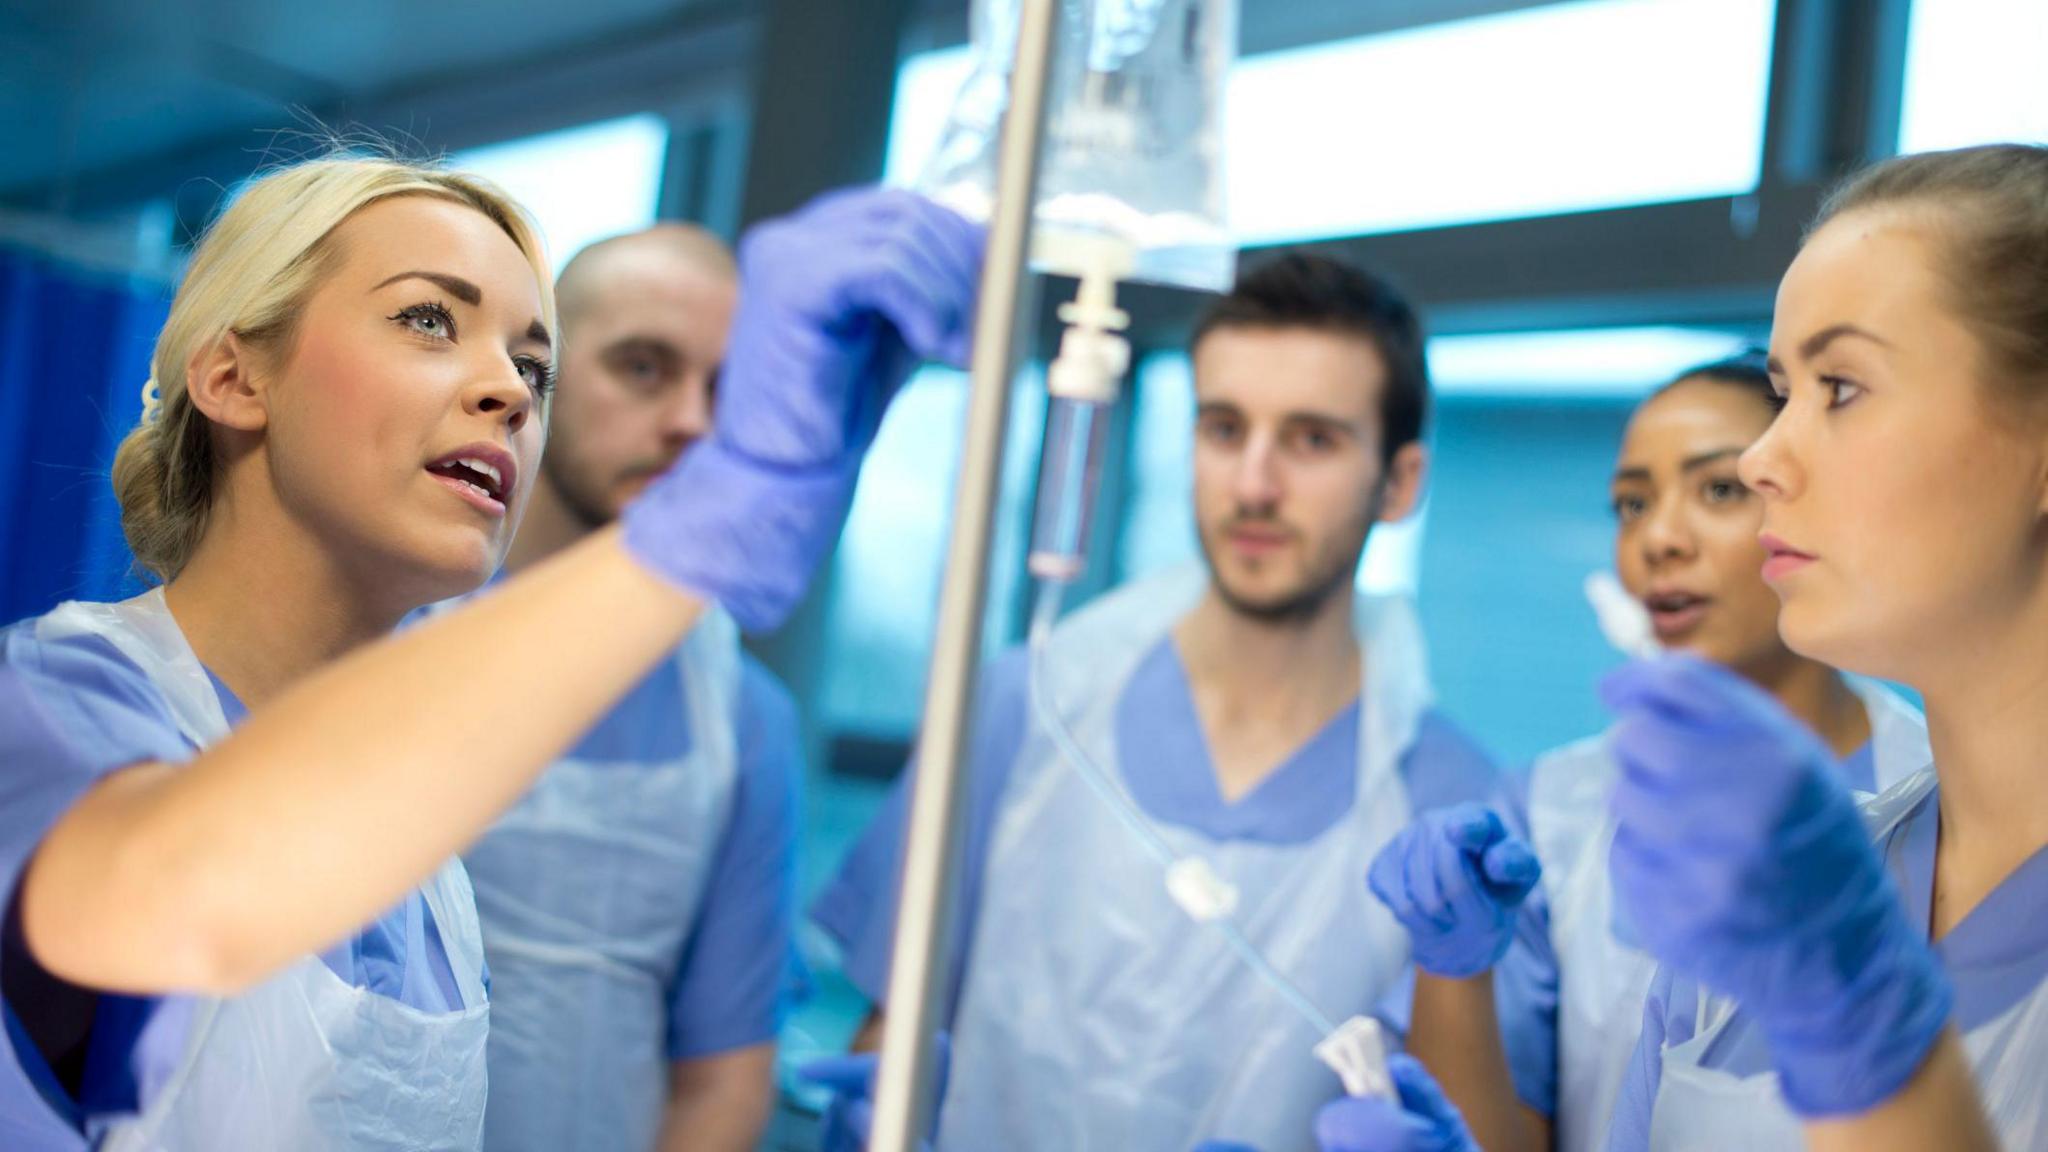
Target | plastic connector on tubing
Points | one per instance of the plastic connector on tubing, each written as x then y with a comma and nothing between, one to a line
1357,1052
1093,353
1199,891
1090,366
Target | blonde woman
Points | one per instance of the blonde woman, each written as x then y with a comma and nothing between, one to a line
231,805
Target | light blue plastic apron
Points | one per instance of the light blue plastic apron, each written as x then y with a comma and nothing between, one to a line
304,1061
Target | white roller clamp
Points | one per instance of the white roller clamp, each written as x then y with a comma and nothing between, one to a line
1357,1053
1199,891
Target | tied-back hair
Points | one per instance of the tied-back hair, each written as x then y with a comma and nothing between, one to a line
251,275
1989,208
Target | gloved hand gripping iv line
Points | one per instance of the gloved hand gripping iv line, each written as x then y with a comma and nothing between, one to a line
1082,383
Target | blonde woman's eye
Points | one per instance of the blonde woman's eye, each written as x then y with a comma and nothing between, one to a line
538,374
430,320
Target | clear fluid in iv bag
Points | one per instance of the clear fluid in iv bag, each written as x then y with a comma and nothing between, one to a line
1133,130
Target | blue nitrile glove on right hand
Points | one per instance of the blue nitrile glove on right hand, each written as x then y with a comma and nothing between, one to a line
1742,861
838,304
1454,878
1423,1121
851,1078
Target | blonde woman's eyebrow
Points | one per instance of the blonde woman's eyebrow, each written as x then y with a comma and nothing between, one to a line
455,286
469,294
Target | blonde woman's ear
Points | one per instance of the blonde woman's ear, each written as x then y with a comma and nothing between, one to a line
223,385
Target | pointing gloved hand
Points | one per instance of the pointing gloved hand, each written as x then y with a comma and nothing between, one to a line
1454,878
838,304
1423,1121
1743,862
851,1078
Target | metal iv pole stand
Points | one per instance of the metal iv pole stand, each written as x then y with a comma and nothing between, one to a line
926,904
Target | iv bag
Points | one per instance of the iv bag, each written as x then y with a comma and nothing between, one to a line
1132,155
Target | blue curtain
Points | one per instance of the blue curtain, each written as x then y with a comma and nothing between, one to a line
74,352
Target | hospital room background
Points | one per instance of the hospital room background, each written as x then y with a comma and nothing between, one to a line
1614,202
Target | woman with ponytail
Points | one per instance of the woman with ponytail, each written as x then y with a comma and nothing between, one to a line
230,807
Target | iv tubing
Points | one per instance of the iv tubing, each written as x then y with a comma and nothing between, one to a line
1120,805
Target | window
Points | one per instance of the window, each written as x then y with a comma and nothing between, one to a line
891,559
925,87
1561,108
1616,364
1582,364
1975,74
582,184
1558,108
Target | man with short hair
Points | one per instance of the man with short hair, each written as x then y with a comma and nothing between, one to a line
1262,716
637,904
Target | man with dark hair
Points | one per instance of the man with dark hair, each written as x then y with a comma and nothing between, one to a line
1259,713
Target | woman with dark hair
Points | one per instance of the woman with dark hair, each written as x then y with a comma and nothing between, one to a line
1802,1000
1571,988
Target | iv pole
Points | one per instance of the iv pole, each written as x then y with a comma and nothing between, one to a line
926,900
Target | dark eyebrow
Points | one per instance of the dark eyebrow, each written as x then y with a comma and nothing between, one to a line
455,286
1321,421
538,333
1815,344
646,345
1691,463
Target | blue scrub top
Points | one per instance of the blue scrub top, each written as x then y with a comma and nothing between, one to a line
71,713
1525,982
733,984
1166,768
1995,957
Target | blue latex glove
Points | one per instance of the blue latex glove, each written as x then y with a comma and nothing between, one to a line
838,304
1743,862
1454,878
851,1078
1423,1121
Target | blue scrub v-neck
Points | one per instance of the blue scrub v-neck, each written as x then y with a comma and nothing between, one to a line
399,955
1166,764
1999,952
1995,957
